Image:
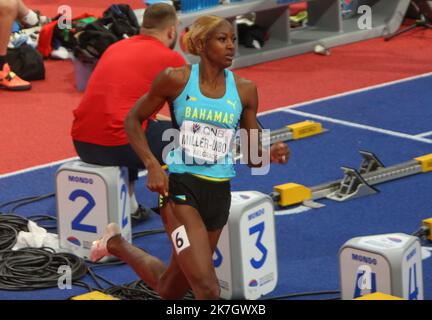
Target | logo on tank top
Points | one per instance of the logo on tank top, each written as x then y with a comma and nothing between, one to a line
232,104
196,127
190,98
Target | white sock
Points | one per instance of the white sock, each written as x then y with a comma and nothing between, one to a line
31,19
133,203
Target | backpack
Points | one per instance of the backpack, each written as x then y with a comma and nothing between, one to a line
121,20
251,36
93,41
26,62
66,37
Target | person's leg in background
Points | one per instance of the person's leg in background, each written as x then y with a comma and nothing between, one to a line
27,16
8,14
8,79
138,212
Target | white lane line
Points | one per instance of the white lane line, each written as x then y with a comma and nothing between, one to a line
359,126
422,135
296,210
426,252
43,166
348,93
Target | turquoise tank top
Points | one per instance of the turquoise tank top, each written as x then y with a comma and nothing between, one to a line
207,129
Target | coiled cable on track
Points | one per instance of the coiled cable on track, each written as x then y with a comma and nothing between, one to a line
31,269
10,226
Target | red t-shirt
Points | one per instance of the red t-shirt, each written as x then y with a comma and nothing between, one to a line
123,74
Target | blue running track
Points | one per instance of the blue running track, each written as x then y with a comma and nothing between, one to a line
393,121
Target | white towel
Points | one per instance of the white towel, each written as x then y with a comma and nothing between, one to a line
37,237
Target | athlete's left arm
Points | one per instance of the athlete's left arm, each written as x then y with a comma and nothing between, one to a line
279,152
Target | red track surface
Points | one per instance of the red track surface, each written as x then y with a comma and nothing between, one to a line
35,125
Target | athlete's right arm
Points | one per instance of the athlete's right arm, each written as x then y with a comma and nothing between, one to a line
164,89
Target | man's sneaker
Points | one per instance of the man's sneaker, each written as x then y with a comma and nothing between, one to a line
33,19
99,247
140,214
10,81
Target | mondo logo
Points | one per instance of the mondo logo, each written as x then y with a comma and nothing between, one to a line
78,179
253,283
74,241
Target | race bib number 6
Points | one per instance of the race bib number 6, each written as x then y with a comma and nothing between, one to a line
180,239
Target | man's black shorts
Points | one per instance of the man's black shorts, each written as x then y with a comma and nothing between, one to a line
124,155
212,199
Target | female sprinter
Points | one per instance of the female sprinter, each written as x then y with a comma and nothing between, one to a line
208,102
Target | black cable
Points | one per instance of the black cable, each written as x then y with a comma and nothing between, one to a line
39,198
147,233
10,226
422,232
303,294
93,275
125,293
40,217
18,222
140,286
104,279
84,285
8,236
138,290
106,264
31,269
17,200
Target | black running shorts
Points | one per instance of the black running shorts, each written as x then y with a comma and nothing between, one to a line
212,199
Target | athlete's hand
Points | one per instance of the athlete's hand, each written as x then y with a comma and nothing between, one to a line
279,152
157,179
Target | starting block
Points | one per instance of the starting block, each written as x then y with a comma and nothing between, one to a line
305,129
245,258
94,295
89,197
426,162
355,183
389,263
292,193
428,224
378,296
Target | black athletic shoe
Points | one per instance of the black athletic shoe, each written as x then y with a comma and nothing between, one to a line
141,214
